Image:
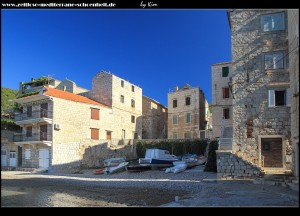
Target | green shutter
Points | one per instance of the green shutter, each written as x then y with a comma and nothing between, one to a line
225,71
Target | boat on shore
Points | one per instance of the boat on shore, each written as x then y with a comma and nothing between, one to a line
113,162
114,169
158,157
138,168
178,168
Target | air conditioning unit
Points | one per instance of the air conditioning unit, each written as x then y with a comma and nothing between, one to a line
57,126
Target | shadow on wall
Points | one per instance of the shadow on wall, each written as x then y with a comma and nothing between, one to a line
93,152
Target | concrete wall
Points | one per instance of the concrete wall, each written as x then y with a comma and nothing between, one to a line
196,109
218,102
155,119
251,83
293,35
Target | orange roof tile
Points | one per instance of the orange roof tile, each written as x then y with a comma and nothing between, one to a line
70,96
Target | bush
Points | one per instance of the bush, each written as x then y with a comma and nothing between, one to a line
211,163
9,124
175,147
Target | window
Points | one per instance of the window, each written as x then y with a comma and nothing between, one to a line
132,103
122,83
279,97
225,71
29,131
174,103
274,61
175,135
29,111
94,133
187,101
187,135
175,119
27,153
108,135
132,88
188,118
95,114
133,119
226,113
273,22
122,99
44,110
225,92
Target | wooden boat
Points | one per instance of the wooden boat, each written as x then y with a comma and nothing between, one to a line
137,168
111,170
113,162
158,157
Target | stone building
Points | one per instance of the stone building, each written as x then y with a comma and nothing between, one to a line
10,153
62,129
124,98
260,88
293,37
186,112
155,119
222,100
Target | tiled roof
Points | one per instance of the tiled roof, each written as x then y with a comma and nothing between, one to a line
70,96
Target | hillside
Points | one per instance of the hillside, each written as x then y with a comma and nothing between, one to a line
7,94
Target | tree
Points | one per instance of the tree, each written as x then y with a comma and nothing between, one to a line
7,94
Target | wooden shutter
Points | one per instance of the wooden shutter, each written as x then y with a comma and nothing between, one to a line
94,133
95,114
29,131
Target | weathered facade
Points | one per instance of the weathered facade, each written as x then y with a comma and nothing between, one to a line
155,119
66,130
222,99
293,37
186,113
260,88
10,153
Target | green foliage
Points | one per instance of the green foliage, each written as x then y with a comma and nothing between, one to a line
176,147
211,163
210,108
27,94
37,82
7,94
9,124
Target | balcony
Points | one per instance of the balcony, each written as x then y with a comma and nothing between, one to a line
35,138
37,116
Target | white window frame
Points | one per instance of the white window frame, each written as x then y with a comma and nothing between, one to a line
27,154
271,24
173,135
271,97
274,61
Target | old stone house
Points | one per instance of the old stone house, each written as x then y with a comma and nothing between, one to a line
155,118
186,112
261,94
222,100
293,42
62,129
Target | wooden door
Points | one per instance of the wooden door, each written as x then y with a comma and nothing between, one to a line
43,132
271,150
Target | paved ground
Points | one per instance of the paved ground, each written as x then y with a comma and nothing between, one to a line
150,188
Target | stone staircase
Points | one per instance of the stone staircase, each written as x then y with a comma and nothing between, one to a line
278,177
228,132
225,142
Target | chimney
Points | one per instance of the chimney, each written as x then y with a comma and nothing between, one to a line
175,88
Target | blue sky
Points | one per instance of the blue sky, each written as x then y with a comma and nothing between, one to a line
155,49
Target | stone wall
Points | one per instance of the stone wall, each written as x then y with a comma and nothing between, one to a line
253,118
218,102
196,109
231,166
90,153
70,86
8,145
155,119
293,35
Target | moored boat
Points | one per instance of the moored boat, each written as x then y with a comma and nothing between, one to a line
137,168
111,170
113,162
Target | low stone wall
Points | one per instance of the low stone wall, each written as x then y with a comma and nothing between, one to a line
90,153
231,166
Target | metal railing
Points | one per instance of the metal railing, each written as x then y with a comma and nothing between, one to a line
41,113
42,136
